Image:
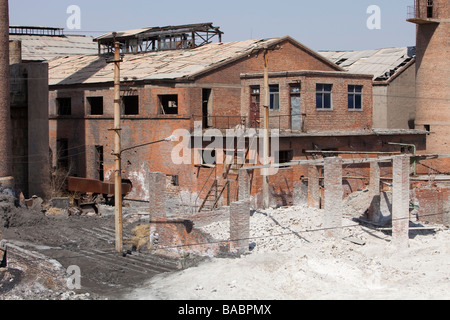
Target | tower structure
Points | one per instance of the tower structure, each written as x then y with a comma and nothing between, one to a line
432,18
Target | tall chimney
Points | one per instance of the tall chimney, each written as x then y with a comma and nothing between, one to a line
5,118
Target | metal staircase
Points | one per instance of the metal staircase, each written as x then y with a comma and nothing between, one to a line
230,174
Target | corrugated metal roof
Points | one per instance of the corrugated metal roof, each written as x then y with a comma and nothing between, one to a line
167,65
42,48
381,63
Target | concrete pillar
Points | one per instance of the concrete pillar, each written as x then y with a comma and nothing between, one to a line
300,194
244,185
333,197
239,226
5,118
157,190
400,201
313,187
374,190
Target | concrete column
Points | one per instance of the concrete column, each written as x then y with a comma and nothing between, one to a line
244,185
400,201
239,226
5,118
374,190
333,197
157,190
313,187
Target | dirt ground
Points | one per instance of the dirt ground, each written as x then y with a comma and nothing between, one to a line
289,259
86,241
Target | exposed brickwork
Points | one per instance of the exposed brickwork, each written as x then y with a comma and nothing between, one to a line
434,204
157,189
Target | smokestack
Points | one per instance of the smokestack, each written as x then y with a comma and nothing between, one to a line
5,118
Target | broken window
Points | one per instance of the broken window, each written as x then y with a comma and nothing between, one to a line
64,106
95,105
323,96
285,156
208,156
430,9
354,97
99,162
274,95
168,103
130,105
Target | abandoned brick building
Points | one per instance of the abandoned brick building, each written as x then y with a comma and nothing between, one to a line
432,19
170,82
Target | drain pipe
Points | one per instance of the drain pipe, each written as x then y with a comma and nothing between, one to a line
414,152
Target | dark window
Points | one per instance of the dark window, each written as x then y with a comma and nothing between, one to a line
95,105
323,96
208,156
285,156
168,103
174,180
274,94
354,97
427,127
130,105
64,106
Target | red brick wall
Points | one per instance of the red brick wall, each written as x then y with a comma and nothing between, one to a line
339,118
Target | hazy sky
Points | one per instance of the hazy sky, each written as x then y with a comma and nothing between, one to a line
319,24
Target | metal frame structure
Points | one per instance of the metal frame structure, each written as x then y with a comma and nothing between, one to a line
159,38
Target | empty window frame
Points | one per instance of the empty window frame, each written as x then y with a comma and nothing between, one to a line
130,105
430,9
64,106
95,105
168,103
323,96
274,95
355,97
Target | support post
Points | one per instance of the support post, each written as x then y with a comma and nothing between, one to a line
265,171
333,197
239,226
117,152
400,201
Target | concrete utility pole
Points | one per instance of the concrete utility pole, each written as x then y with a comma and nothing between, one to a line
265,171
5,117
117,151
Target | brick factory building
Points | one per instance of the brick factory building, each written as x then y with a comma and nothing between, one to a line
171,81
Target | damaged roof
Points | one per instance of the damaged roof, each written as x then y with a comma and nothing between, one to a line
381,63
160,65
44,48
